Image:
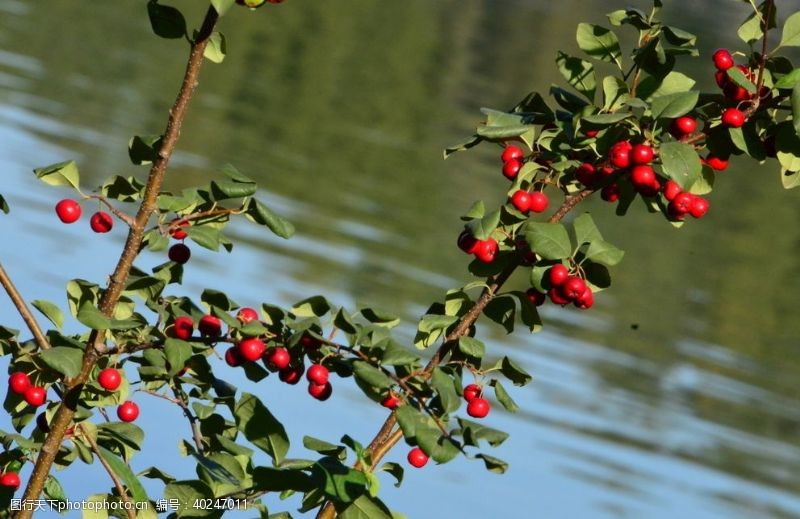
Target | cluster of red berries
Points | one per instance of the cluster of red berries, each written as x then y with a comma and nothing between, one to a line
20,384
723,61
524,201
69,211
636,159
565,288
682,203
484,250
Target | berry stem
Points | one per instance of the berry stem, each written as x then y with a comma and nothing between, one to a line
128,219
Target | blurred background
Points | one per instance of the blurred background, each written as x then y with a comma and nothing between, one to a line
678,395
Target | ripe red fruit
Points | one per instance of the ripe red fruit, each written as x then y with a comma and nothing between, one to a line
716,163
68,211
417,457
233,358
512,152
35,396
680,205
642,177
478,407
619,155
486,250
535,297
179,253
177,232
128,411
182,328
557,274
699,207
671,190
557,297
684,125
641,154
511,168
279,357
723,59
521,199
733,117
10,480
591,133
539,202
251,349
109,379
101,222
472,391
390,401
210,326
318,374
291,375
467,242
246,315
610,193
310,343
585,300
18,383
320,391
586,174
573,287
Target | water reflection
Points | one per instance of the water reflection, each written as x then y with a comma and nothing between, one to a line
341,110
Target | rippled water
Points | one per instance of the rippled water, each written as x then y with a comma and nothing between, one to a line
676,397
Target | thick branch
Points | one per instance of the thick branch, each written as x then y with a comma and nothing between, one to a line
108,301
23,309
130,510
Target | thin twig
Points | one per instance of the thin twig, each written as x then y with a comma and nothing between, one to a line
182,401
23,309
130,509
128,219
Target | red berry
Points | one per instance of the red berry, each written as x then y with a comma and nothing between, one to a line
291,375
539,202
716,163
671,190
233,358
310,343
535,297
684,125
128,411
251,349
591,133
721,78
723,59
246,315
390,401
586,174
478,407
573,287
318,374
699,207
619,155
467,242
472,391
680,205
68,211
521,199
511,168
179,253
210,326
279,357
486,250
10,480
610,193
641,154
177,232
18,383
735,93
557,297
585,300
321,392
733,117
557,274
182,328
512,152
642,177
417,457
101,222
35,396
109,379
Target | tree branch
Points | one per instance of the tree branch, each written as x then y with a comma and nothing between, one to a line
130,509
23,309
110,298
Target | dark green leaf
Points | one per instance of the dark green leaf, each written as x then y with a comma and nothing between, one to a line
482,228
177,353
471,346
227,190
674,105
314,306
143,149
604,253
796,107
63,359
124,472
366,507
187,493
262,215
502,310
463,146
473,432
680,163
278,480
204,235
337,480
493,464
166,21
261,427
51,311
444,385
789,80
548,240
4,205
578,73
585,229
90,316
738,77
514,373
504,398
598,42
371,375
607,119
397,355
53,490
322,447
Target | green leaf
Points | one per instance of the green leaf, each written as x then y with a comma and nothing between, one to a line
548,240
474,432
463,146
796,107
397,355
63,359
471,346
615,93
598,42
204,235
90,316
672,83
262,215
482,228
314,306
123,189
607,119
322,447
229,190
679,37
53,490
366,507
680,163
143,149
216,48
125,474
51,311
370,375
4,205
790,179
789,80
186,493
444,385
502,310
585,229
514,373
260,427
337,480
504,398
604,253
674,105
177,353
61,174
578,73
750,31
395,469
493,464
738,77
166,21
380,318
790,36
222,6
